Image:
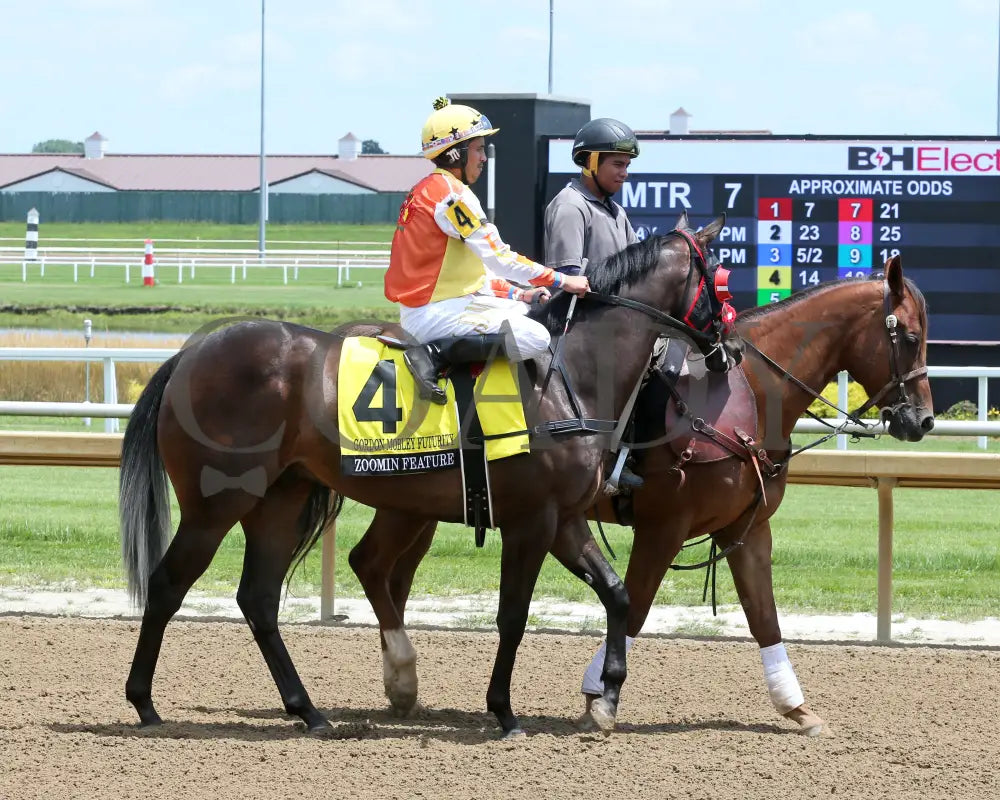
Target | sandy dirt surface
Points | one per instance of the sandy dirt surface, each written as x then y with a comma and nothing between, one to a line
903,721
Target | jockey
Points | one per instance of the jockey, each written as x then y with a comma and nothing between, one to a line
448,264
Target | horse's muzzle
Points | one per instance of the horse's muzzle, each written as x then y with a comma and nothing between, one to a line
907,422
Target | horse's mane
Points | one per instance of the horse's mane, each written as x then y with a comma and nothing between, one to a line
782,305
618,271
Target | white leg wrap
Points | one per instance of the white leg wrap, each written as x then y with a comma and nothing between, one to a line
592,683
399,663
782,685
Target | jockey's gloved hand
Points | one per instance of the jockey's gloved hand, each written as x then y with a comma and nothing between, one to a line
537,296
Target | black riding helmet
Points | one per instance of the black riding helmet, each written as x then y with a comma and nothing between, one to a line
602,135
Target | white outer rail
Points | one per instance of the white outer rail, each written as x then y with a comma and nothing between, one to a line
237,261
111,410
982,374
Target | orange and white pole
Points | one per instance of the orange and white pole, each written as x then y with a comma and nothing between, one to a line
148,278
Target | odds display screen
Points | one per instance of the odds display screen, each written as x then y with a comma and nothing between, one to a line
801,212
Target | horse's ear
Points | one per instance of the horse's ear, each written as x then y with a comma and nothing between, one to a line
683,224
713,229
894,276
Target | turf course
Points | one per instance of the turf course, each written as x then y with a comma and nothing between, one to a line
314,298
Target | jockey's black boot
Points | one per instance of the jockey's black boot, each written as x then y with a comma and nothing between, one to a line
470,349
426,363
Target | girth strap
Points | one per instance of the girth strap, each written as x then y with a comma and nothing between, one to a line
478,509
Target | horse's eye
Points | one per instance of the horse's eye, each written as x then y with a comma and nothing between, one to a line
912,338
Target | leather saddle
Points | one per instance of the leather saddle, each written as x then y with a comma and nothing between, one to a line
705,416
713,402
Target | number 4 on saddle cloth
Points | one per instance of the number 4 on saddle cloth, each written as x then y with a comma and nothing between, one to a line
386,429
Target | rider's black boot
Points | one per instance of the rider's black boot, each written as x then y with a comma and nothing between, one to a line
426,363
470,349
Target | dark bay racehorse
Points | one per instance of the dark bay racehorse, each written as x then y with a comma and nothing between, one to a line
243,423
813,335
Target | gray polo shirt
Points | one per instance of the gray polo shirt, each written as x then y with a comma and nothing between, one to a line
579,225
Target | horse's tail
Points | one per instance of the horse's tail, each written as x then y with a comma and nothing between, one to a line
321,509
143,491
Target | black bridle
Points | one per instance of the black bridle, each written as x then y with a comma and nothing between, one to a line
699,317
896,381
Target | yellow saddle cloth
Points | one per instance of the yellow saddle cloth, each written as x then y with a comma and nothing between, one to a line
386,429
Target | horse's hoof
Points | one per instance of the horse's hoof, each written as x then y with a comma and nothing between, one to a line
515,733
810,724
585,723
320,725
603,715
406,706
150,720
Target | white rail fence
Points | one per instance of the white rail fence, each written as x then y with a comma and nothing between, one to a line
184,263
111,410
884,470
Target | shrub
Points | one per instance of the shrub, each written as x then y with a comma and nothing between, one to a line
856,397
967,410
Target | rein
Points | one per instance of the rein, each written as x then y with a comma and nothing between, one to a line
851,417
655,314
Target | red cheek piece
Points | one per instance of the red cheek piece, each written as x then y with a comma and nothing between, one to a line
728,315
722,284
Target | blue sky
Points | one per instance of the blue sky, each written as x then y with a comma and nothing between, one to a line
160,76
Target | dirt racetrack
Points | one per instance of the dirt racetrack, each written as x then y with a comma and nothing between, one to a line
903,722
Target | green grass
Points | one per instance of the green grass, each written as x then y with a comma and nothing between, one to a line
56,301
98,234
59,527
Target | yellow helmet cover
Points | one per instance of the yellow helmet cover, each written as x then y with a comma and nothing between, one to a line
450,124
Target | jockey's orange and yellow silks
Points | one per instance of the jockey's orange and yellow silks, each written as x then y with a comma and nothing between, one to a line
444,248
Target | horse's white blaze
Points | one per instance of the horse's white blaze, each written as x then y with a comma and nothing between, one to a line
782,685
399,669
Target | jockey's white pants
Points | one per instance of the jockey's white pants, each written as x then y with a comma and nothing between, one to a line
476,314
